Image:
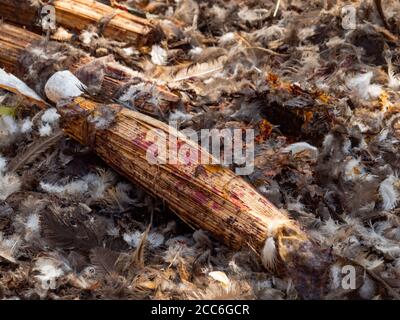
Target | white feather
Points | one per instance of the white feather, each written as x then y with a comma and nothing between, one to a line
26,126
133,238
252,15
353,169
299,147
94,185
9,184
130,51
63,85
45,130
388,193
3,164
179,116
328,140
335,275
8,124
33,223
220,277
9,81
48,271
330,227
87,36
227,38
196,51
269,254
50,116
159,55
200,70
361,85
155,239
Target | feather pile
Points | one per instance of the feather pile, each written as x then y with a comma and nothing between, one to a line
322,100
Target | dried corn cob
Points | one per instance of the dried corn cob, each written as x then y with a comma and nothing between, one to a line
204,196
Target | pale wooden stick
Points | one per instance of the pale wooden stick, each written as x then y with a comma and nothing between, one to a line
79,14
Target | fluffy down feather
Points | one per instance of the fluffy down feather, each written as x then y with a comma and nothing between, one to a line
269,254
361,85
389,192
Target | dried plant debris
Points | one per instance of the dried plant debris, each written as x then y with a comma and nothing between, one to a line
323,101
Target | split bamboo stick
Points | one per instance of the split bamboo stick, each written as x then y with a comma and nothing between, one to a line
13,41
79,14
